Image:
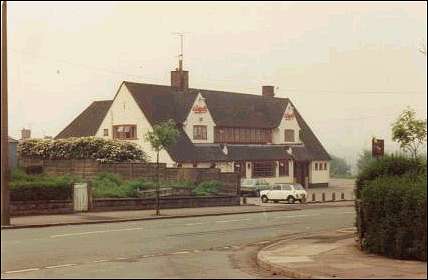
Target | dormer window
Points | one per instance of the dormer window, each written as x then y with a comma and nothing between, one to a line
289,135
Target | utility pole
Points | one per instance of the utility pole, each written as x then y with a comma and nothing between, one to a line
5,218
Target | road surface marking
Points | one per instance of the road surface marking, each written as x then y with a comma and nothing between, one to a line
99,261
348,212
93,232
229,221
62,265
119,259
22,270
178,253
194,224
296,216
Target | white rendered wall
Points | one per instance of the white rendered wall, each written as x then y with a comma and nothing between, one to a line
124,110
319,176
199,119
278,133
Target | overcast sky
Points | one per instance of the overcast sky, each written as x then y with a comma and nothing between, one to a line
349,68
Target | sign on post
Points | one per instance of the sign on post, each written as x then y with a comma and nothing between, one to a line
377,147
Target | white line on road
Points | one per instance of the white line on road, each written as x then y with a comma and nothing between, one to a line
296,216
100,261
22,270
61,265
194,224
229,221
178,253
93,232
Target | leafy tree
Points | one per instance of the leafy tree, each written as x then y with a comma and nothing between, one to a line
163,136
339,167
409,132
364,159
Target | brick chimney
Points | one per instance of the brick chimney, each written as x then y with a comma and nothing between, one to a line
268,91
179,77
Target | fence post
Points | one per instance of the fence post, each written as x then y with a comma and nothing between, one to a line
313,197
342,196
333,196
323,197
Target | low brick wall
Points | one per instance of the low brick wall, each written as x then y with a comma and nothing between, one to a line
26,208
112,204
49,207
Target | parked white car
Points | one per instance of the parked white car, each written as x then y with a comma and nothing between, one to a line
284,192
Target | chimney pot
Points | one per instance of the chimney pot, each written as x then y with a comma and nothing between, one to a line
268,91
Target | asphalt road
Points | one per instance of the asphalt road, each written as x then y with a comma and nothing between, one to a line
202,247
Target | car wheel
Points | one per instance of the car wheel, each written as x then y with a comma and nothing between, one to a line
265,199
291,199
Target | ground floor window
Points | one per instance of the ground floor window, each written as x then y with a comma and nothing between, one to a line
263,169
125,131
283,168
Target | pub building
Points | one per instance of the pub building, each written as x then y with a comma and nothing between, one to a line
259,136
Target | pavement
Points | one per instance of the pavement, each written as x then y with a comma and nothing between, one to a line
138,215
193,247
333,255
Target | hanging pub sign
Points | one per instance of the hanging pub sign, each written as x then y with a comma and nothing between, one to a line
199,109
377,147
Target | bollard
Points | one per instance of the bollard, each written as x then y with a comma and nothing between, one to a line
333,196
313,197
323,197
342,196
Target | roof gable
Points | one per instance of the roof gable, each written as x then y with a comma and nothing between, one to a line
88,122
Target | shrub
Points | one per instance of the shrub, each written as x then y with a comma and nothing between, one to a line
388,166
80,148
25,187
394,216
207,188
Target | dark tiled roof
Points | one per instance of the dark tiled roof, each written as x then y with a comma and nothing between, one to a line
88,122
160,103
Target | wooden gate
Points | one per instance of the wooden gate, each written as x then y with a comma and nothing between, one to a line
80,197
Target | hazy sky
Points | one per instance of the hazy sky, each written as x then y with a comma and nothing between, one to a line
349,68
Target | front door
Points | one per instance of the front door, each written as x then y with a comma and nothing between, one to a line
240,168
301,171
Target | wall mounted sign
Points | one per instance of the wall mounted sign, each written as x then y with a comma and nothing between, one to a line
199,109
290,114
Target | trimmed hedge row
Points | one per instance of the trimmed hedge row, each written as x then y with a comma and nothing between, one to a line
388,166
395,217
25,187
391,208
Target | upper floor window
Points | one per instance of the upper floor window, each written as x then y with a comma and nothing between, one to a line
242,135
125,131
105,132
199,132
289,135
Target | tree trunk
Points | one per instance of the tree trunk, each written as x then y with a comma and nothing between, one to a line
157,185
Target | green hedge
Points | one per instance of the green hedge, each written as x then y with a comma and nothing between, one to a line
394,219
81,148
25,187
391,207
389,166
